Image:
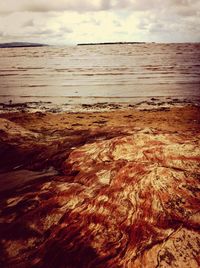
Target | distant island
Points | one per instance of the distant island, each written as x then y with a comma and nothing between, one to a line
20,44
111,43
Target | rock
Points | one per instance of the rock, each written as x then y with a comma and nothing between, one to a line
17,178
11,131
125,202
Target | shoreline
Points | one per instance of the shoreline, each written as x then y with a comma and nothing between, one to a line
95,104
100,182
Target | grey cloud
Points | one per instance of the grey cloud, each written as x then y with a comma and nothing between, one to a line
122,4
186,12
36,8
143,5
183,2
75,5
43,32
157,27
28,23
105,4
65,29
92,21
135,5
49,32
60,31
184,8
142,25
7,6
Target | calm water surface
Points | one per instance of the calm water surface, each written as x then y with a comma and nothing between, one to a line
109,71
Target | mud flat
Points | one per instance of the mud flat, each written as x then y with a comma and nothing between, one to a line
117,188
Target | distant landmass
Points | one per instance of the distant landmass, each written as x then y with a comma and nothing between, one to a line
111,43
20,44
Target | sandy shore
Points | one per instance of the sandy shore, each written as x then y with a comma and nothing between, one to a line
114,188
40,136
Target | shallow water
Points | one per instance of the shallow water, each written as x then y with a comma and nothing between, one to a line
108,71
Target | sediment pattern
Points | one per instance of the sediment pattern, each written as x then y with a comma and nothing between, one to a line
129,201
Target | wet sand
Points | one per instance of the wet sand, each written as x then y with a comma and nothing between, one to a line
93,104
114,188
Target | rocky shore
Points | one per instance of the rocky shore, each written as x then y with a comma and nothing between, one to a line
77,104
116,188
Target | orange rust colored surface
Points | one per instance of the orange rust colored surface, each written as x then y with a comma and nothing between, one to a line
130,199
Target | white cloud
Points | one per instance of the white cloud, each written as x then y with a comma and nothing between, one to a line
74,21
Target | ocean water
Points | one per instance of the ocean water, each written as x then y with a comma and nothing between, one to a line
111,72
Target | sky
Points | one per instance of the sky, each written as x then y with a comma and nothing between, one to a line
63,22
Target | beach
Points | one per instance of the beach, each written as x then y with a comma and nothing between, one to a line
99,134
101,186
99,149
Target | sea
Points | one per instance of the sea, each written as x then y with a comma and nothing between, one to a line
100,73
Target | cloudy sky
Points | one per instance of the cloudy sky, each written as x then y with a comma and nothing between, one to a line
76,21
